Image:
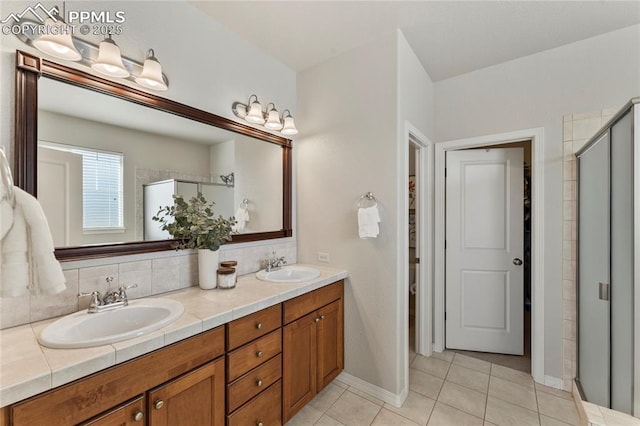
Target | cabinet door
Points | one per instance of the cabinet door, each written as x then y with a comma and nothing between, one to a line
299,364
330,343
197,398
128,414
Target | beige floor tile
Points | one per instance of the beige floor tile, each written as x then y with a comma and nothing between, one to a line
327,397
366,396
512,375
472,363
351,409
424,384
444,355
434,366
504,413
550,421
617,418
554,391
386,417
444,415
328,421
416,408
469,378
486,423
513,392
307,416
340,383
558,408
465,399
412,356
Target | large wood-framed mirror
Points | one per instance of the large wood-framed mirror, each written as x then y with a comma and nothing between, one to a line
63,113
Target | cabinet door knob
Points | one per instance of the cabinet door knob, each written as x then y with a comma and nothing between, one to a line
138,416
259,424
259,354
258,382
259,325
321,317
158,404
317,319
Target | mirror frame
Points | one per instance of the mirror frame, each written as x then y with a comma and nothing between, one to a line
30,68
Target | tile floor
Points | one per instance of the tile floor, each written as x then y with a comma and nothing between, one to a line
447,389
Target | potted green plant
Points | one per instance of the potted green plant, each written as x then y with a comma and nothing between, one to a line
194,225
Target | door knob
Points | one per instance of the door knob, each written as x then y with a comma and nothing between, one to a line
517,261
259,354
259,325
158,404
138,416
259,383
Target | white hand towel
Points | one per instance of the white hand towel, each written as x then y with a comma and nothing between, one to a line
242,217
368,220
6,217
35,242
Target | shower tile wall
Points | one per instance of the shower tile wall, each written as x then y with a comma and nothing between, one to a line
154,273
577,130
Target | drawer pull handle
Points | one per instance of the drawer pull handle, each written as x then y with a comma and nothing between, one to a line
258,382
321,317
317,319
259,354
259,424
138,416
259,325
158,404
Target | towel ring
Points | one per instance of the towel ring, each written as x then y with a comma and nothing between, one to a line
367,200
7,179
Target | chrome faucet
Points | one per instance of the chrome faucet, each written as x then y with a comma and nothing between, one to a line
275,262
112,299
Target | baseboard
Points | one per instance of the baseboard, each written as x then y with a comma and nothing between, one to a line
553,382
382,394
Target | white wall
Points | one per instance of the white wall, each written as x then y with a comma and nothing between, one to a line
536,91
351,109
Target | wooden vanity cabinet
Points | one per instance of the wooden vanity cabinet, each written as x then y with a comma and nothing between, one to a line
313,345
183,368
254,369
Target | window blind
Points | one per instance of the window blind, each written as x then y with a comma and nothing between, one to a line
102,189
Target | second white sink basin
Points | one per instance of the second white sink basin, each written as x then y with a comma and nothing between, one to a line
83,330
289,274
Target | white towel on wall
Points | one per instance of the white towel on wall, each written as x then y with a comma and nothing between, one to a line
242,217
368,220
28,262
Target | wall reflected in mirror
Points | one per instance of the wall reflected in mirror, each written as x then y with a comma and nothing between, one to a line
106,165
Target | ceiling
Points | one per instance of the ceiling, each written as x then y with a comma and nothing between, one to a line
449,37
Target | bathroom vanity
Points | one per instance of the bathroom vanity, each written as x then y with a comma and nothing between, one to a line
262,352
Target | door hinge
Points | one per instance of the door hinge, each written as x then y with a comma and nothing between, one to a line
445,172
445,244
445,316
417,260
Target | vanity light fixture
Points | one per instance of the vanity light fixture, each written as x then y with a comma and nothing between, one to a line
57,43
151,76
253,113
109,60
56,40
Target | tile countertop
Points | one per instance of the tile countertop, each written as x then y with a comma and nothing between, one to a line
27,369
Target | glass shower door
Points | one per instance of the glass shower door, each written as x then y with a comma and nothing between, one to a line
593,272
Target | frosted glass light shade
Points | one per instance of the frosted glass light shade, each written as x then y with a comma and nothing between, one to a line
58,42
273,121
289,127
254,115
109,60
151,76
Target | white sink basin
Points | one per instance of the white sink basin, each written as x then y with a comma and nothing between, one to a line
289,274
83,330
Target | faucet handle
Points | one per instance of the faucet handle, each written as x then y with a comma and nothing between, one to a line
122,291
95,298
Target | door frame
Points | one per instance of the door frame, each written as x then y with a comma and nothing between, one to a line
536,136
424,240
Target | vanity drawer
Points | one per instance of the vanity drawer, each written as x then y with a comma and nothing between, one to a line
253,354
252,326
302,305
254,382
265,409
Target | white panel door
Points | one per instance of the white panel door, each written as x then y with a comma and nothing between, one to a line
484,250
60,194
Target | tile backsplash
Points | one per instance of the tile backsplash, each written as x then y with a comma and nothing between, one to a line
154,273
